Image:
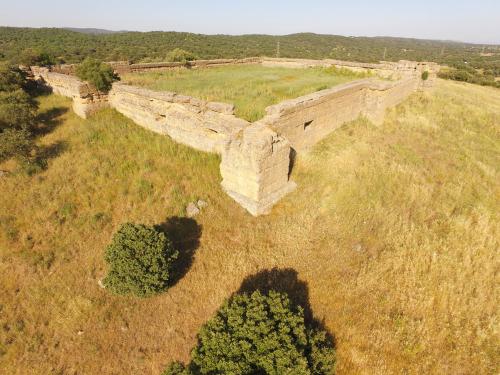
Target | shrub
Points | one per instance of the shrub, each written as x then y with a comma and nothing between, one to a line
140,259
96,72
17,115
11,78
17,110
44,59
30,57
176,368
469,75
425,75
180,55
259,334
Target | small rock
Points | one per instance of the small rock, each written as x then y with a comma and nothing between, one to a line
192,210
124,329
224,108
101,284
358,247
80,332
4,173
202,203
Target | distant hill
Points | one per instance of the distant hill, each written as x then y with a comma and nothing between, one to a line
91,30
73,45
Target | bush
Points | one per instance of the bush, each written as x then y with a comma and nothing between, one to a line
469,75
44,59
11,78
17,115
425,75
31,57
140,259
17,110
177,368
259,334
180,55
96,72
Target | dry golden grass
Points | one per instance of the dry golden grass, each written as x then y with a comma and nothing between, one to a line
394,229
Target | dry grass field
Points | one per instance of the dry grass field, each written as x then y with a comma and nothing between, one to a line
251,88
391,239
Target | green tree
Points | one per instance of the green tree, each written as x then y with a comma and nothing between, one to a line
259,334
180,55
17,110
45,59
140,260
17,115
425,75
96,72
32,57
11,78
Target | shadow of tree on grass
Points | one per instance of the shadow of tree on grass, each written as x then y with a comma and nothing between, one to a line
50,119
185,235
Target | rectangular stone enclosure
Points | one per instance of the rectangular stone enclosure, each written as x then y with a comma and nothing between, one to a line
256,157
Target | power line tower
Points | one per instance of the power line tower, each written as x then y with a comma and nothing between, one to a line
278,49
385,53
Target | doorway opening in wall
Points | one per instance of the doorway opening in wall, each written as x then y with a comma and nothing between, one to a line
307,124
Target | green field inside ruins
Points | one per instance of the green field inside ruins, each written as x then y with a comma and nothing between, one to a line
391,238
251,88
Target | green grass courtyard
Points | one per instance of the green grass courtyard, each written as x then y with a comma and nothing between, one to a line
251,88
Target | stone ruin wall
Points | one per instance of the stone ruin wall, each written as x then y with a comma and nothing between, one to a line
306,120
146,67
385,69
205,126
123,67
255,158
86,98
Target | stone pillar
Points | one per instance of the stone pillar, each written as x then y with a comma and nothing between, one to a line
255,169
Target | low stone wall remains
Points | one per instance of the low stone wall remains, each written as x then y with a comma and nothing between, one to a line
385,69
205,126
86,98
159,66
306,120
255,157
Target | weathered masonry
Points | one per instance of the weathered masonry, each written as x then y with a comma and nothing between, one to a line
255,164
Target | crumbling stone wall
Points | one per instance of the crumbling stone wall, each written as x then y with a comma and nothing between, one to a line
256,158
205,126
86,98
385,69
146,67
306,120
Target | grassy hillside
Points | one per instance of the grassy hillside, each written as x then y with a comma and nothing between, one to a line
70,46
391,237
250,87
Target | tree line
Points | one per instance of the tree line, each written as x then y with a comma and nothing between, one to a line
66,46
45,46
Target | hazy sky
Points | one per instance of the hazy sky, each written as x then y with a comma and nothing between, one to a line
471,21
